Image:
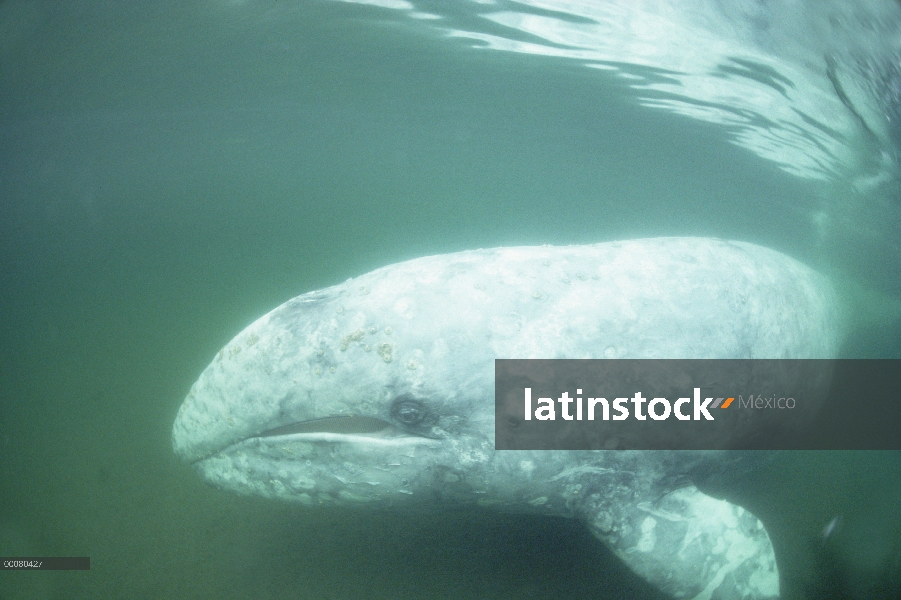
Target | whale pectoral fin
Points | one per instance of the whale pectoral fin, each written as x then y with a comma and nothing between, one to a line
691,545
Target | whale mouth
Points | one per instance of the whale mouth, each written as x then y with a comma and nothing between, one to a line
346,429
359,430
342,425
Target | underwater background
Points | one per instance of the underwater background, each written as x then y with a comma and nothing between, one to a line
171,171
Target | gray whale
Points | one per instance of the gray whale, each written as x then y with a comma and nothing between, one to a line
379,392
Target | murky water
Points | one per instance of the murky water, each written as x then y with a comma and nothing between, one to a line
170,171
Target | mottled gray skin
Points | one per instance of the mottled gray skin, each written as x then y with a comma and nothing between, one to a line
405,353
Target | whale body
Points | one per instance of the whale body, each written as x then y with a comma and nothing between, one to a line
380,392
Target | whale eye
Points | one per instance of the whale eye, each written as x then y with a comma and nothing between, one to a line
408,412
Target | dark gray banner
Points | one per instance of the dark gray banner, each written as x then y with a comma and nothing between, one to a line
656,404
45,563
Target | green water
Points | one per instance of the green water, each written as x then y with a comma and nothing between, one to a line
169,172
